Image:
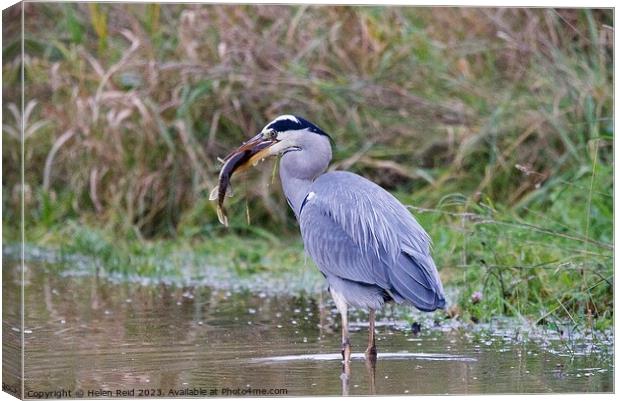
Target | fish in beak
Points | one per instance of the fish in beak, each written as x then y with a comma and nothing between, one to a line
241,159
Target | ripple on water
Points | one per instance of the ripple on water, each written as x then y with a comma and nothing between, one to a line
206,341
361,356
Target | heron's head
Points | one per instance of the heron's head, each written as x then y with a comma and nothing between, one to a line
282,136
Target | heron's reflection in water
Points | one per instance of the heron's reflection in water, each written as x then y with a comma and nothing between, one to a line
370,363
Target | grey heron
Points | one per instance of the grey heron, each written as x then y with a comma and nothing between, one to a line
367,245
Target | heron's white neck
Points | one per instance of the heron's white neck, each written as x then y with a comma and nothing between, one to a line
295,190
298,170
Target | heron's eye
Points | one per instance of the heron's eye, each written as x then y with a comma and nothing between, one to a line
270,134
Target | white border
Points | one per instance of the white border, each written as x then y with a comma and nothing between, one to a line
456,3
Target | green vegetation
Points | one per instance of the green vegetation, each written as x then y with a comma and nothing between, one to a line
496,125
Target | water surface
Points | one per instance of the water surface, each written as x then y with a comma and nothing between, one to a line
85,332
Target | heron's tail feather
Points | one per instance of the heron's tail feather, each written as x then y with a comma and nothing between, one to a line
411,280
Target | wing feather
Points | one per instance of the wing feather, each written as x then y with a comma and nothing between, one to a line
354,229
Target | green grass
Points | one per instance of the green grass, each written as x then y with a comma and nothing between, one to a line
550,262
496,125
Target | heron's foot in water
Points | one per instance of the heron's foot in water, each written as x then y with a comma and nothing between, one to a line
371,353
346,350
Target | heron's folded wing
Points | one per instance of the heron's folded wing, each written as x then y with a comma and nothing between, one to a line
355,229
374,219
335,252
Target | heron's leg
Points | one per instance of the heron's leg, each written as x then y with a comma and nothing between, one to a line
346,343
341,304
371,351
346,352
321,315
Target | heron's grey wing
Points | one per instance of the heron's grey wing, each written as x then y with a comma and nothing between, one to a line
356,230
333,249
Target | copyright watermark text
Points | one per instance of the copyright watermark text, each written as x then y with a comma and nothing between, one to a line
155,392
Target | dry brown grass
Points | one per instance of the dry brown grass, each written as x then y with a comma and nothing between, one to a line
132,104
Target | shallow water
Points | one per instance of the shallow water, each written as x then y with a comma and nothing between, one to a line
88,333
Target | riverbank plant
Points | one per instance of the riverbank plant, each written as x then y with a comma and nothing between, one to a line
495,125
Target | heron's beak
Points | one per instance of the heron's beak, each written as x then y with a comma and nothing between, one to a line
250,153
240,159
